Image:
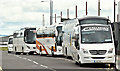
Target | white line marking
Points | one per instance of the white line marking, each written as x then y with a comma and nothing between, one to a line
9,54
17,56
65,59
44,66
29,59
35,62
20,57
25,58
1,68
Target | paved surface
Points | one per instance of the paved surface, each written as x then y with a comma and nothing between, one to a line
14,62
118,61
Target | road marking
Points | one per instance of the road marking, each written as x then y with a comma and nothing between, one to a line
1,68
29,59
100,68
47,67
52,69
9,54
112,68
20,57
43,66
17,56
65,59
35,62
25,58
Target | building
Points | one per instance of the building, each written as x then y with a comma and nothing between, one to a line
4,41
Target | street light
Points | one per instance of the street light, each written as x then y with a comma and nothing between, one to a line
51,11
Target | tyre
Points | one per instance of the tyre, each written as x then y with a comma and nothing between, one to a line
52,51
112,65
66,53
9,51
76,63
40,53
31,53
81,65
16,53
79,61
24,53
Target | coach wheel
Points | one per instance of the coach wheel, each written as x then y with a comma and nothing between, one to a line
17,53
9,51
24,53
76,63
81,65
112,65
66,51
23,49
31,53
15,49
40,51
52,50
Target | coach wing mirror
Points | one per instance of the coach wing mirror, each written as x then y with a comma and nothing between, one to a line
116,43
112,24
108,21
78,47
77,36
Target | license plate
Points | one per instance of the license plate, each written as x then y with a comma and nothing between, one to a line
97,61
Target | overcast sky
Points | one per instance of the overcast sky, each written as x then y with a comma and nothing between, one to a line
16,14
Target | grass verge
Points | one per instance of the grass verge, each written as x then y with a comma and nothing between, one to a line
3,48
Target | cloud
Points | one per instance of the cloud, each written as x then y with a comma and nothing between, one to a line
21,13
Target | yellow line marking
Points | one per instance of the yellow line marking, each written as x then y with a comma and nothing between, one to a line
100,68
1,68
112,68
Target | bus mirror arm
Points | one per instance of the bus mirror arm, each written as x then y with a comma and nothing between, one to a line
116,43
78,47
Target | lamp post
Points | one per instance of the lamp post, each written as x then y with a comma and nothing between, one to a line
43,21
115,10
51,11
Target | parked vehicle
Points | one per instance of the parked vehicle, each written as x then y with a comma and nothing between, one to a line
10,44
89,40
24,41
49,40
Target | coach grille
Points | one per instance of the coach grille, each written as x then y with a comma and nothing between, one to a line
97,57
97,52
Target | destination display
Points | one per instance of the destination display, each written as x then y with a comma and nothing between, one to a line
95,28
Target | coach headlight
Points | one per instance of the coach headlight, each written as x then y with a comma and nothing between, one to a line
111,50
84,51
